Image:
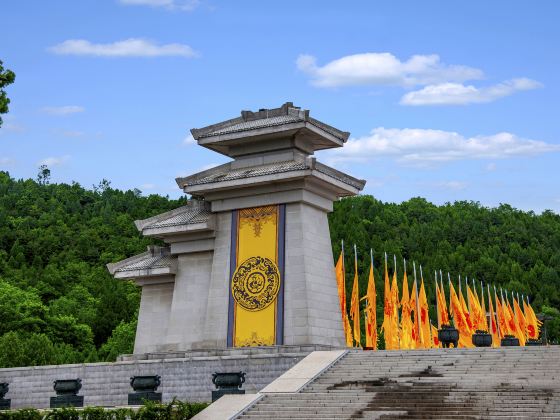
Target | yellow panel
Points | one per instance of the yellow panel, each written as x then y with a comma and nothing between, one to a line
257,237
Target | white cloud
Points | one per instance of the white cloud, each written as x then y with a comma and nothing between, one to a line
148,186
452,185
132,47
184,5
416,146
384,69
189,140
63,110
7,161
54,161
460,94
491,167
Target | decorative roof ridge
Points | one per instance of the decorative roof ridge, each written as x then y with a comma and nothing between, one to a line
343,135
254,171
192,204
185,179
153,251
287,108
341,176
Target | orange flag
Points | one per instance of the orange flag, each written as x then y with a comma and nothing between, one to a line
513,328
395,307
493,326
533,323
465,308
340,282
459,319
387,311
483,306
406,322
444,313
371,315
476,316
503,328
355,303
416,339
521,322
424,317
435,339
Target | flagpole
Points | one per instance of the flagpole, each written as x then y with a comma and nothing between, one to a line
497,320
358,299
437,302
482,297
450,306
441,282
419,319
343,269
490,330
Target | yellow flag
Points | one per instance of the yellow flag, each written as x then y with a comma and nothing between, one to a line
493,326
371,315
355,305
406,322
533,323
435,340
476,316
424,317
387,311
395,311
416,339
520,323
340,282
459,318
484,324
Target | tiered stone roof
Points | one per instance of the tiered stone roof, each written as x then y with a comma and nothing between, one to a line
156,261
196,215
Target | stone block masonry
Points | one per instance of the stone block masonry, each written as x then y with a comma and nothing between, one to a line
184,375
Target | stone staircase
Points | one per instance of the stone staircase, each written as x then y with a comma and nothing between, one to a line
504,383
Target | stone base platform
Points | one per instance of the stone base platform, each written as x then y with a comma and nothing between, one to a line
186,375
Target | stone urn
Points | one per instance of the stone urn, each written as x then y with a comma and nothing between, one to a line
67,386
510,341
144,389
227,383
448,335
67,393
228,379
4,388
482,339
145,383
533,342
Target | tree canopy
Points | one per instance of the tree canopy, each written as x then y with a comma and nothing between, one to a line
6,77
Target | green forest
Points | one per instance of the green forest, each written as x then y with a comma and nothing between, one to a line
58,303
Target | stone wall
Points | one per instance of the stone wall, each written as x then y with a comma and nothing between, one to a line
185,375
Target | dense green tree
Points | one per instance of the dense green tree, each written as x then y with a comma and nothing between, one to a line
6,77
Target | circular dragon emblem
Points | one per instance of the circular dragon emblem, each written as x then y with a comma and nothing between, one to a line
255,283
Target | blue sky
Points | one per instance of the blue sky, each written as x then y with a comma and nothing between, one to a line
445,100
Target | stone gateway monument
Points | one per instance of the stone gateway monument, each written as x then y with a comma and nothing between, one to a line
248,261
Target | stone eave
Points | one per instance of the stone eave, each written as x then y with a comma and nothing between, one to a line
160,257
266,124
154,272
342,189
180,229
317,136
193,217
